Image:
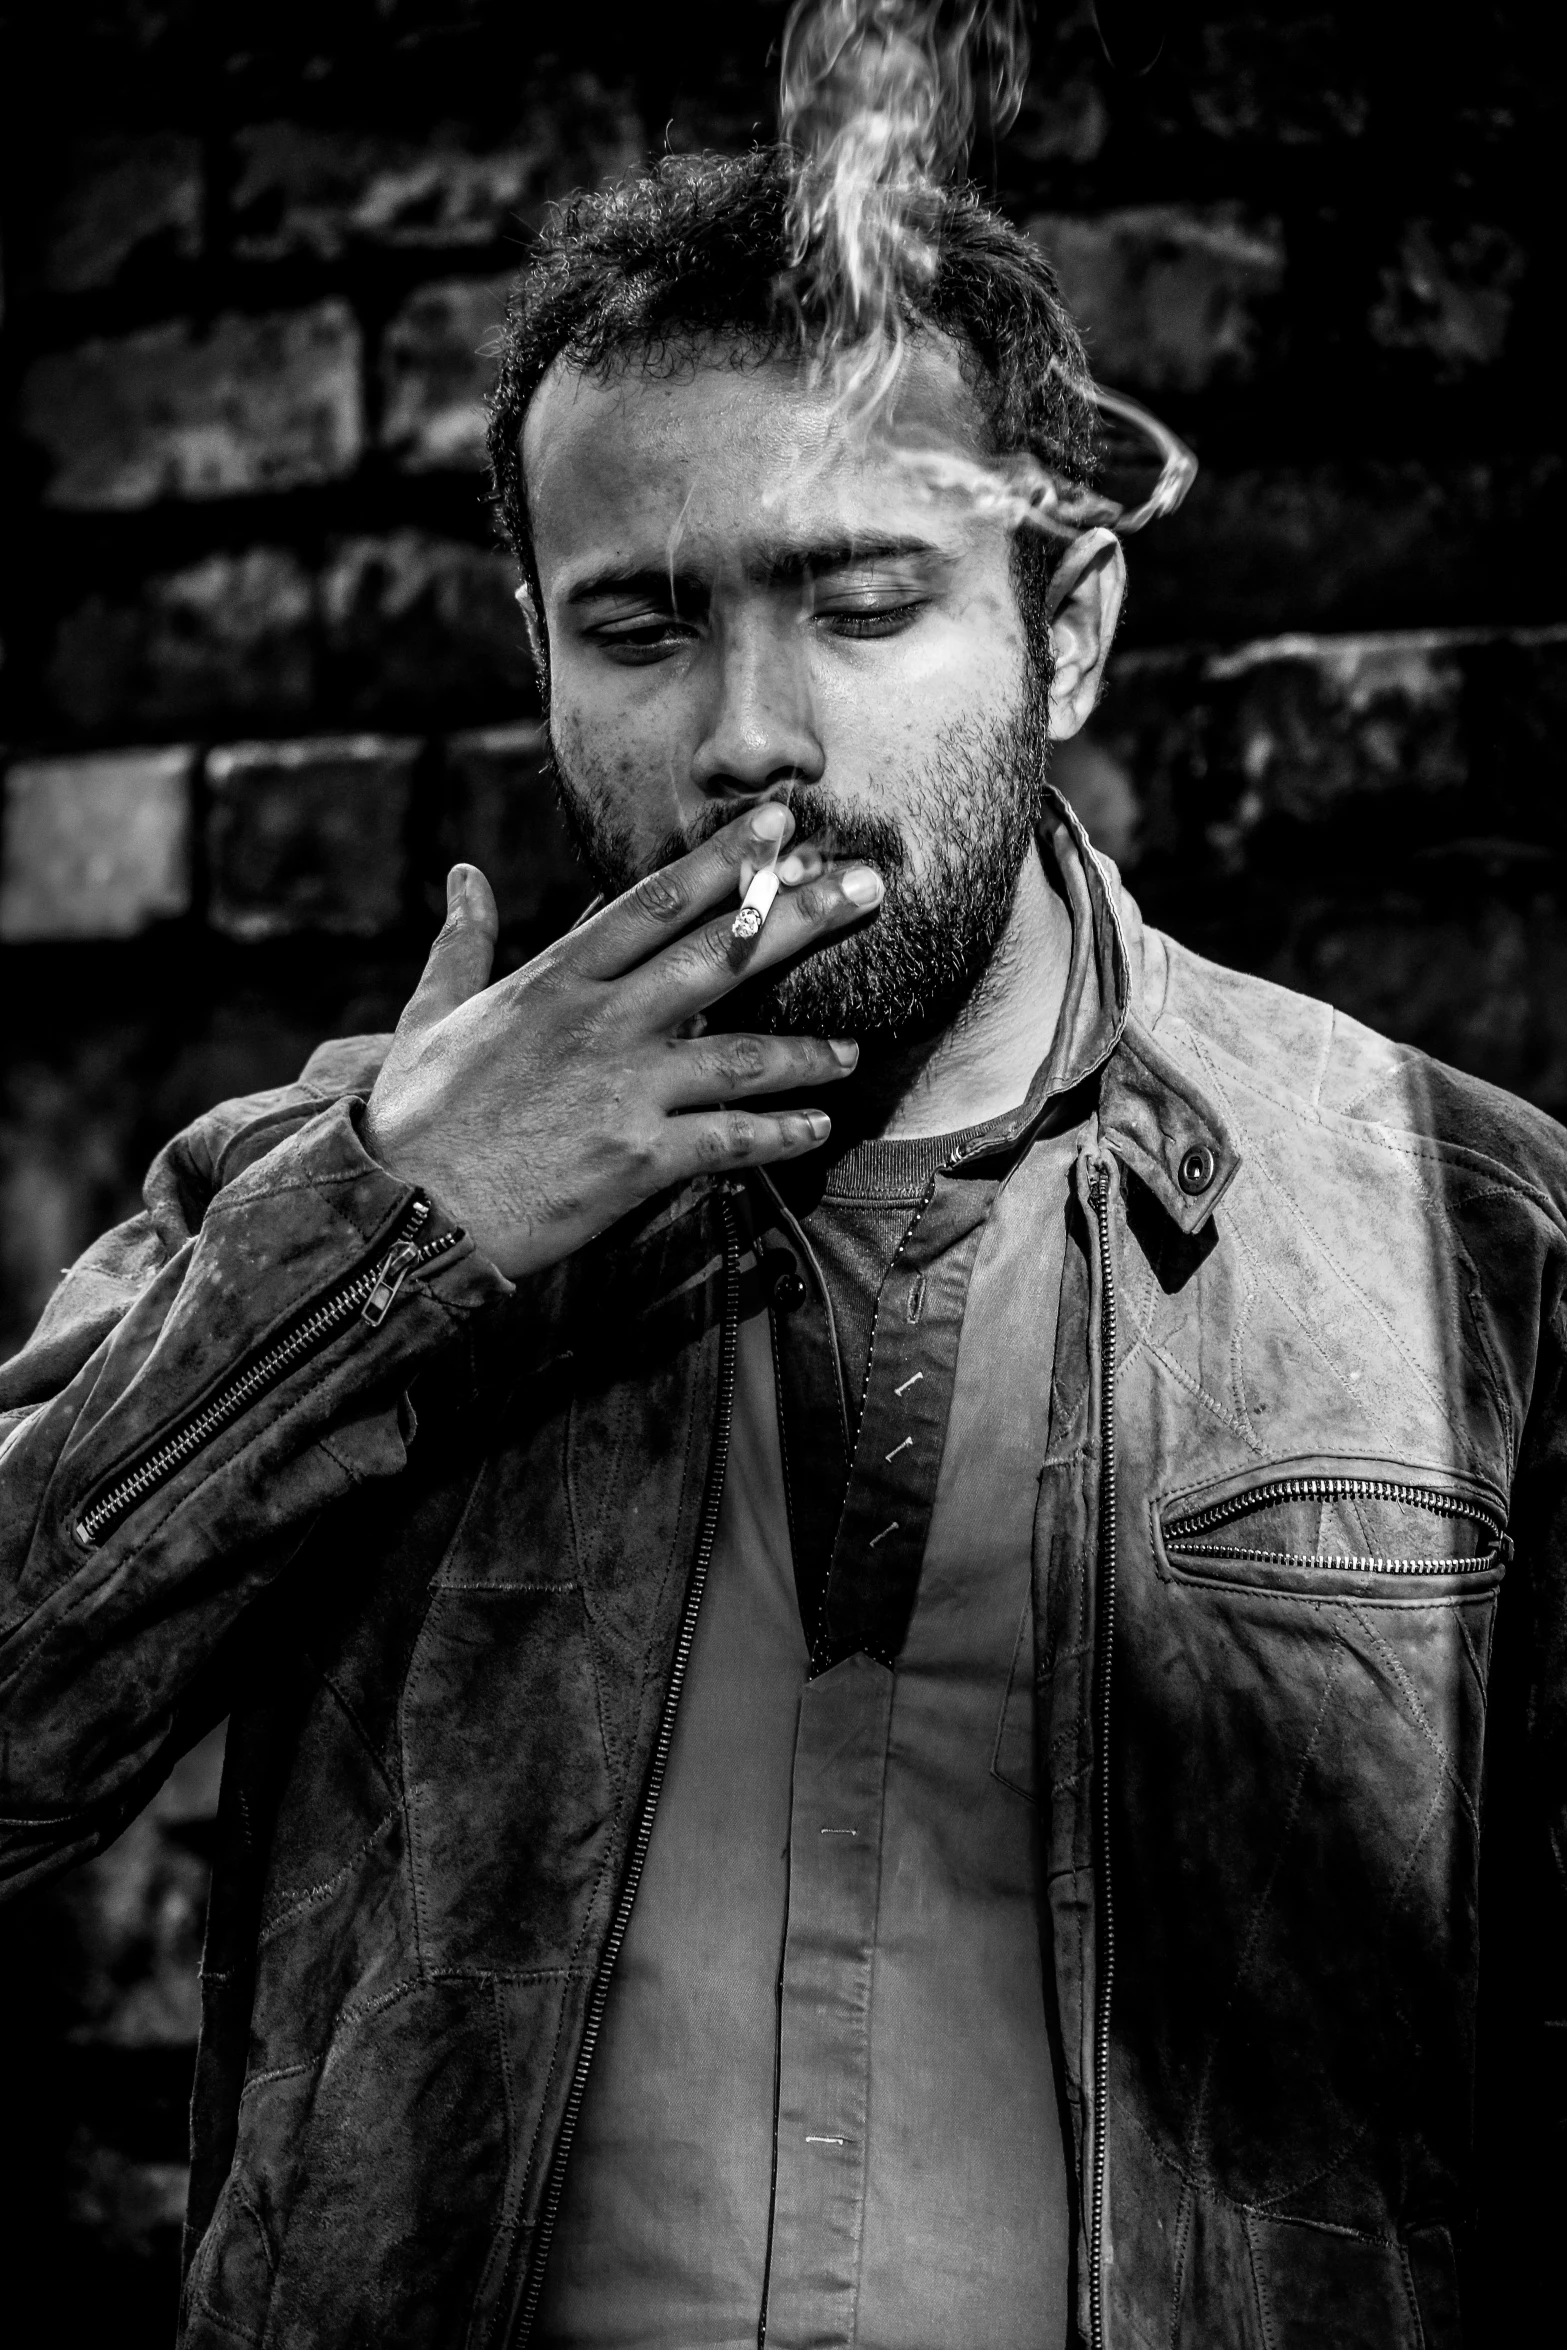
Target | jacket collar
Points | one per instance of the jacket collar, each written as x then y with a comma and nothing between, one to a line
1152,1113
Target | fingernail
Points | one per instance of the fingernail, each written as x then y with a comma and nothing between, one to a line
819,1123
844,1051
456,882
862,886
770,821
791,869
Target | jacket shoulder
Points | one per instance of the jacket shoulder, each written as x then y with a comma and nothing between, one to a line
1327,1066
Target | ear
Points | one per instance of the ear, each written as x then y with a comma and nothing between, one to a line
533,628
1084,602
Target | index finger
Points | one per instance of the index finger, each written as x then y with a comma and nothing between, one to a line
662,906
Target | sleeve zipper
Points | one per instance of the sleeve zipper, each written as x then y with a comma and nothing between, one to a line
370,1295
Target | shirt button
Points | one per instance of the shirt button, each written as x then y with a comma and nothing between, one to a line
789,1293
1197,1168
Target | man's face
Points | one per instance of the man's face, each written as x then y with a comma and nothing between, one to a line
740,602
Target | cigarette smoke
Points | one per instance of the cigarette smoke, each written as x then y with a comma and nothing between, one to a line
878,99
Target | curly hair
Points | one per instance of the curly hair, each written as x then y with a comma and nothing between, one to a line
695,248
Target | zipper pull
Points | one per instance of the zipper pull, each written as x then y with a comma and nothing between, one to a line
390,1275
395,1267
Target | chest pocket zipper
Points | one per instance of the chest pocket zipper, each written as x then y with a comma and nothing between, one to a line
1352,1524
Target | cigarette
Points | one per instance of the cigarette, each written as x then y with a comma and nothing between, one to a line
756,905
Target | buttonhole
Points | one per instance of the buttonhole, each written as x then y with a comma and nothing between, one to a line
812,2141
882,1536
916,1297
897,1448
837,1831
908,1383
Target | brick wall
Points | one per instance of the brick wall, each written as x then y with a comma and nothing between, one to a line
263,676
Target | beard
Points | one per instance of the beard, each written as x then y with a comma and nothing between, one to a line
967,818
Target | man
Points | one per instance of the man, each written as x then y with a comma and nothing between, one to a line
855,1574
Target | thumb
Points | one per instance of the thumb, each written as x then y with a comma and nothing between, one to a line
459,962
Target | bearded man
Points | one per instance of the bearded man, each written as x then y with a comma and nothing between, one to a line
855,1572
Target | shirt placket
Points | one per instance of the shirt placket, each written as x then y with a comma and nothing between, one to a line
839,1784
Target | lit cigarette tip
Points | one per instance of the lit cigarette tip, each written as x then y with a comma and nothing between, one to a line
756,905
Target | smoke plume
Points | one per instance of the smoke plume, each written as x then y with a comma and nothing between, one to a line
879,100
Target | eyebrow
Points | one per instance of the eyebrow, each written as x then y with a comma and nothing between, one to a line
777,565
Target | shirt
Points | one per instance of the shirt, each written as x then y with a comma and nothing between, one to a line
823,2105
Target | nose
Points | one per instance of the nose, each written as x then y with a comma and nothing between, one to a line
759,730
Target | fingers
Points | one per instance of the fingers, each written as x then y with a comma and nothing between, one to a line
703,967
727,1068
459,962
664,904
719,1140
801,864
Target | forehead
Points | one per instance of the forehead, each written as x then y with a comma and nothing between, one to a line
727,451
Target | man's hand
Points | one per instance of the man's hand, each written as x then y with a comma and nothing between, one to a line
541,1109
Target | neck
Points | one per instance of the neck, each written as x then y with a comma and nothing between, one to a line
986,1062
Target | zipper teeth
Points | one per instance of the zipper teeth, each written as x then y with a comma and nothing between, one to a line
1108,1487
1239,1505
268,1368
1347,1562
666,1731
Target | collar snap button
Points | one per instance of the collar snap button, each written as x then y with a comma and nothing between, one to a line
789,1292
1196,1170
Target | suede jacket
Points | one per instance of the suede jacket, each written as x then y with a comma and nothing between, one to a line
285,1447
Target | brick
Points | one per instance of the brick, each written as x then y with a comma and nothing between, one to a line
1346,545
254,404
1169,297
133,2211
1059,122
422,627
96,847
123,203
1449,298
309,835
499,811
1376,820
1267,77
306,189
229,638
1337,760
438,361
137,1913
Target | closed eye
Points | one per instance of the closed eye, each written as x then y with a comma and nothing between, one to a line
871,620
650,637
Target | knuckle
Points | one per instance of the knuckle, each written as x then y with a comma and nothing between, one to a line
742,1061
817,900
642,1159
726,1140
662,896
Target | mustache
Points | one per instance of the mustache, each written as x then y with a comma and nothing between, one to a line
843,834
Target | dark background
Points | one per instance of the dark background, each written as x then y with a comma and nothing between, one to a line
263,676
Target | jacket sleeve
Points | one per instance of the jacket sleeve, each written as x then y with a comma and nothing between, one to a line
207,1370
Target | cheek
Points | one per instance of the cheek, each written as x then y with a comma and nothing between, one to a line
884,708
618,758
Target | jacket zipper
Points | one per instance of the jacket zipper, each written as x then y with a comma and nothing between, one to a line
1108,1486
370,1294
599,1999
1181,1533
